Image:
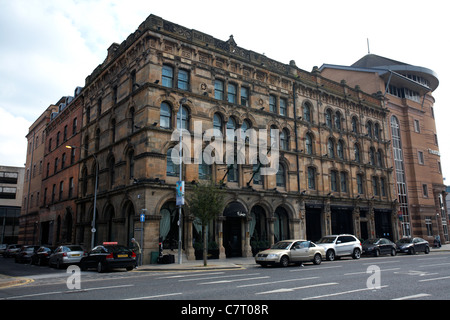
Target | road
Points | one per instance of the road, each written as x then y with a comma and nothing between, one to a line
402,277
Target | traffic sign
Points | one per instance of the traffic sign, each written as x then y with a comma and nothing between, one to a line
142,217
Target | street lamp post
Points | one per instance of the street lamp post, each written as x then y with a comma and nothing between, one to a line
180,128
93,230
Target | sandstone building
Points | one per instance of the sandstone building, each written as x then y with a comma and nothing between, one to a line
335,167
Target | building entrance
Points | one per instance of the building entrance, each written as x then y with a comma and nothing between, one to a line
232,237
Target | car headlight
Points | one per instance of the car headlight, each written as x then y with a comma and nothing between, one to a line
272,256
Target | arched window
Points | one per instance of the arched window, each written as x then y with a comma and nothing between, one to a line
328,119
372,156
340,149
131,164
376,131
309,144
184,124
231,127
311,178
217,122
165,117
354,125
369,129
112,171
281,176
330,148
357,153
172,169
284,139
337,121
307,112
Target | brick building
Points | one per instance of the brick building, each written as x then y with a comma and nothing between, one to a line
333,177
407,91
59,189
34,165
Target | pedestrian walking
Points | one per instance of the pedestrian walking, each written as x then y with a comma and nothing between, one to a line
437,241
137,251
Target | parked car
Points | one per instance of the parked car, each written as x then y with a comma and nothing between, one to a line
108,256
66,255
41,256
379,246
290,251
11,250
3,248
341,245
413,245
25,253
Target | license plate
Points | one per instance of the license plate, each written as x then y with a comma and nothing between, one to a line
122,256
75,255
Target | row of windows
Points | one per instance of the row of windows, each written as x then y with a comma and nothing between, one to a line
338,180
59,197
65,135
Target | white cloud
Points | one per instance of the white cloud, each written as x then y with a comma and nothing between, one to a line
13,143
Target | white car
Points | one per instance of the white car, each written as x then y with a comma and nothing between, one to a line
66,255
341,245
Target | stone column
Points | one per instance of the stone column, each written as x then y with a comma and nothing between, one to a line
220,220
356,222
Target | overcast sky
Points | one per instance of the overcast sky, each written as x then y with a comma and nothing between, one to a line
49,47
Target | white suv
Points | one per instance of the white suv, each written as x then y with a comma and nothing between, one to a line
341,245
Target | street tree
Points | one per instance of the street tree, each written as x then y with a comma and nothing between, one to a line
205,202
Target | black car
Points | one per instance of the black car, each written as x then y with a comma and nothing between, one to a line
25,253
109,256
379,246
41,256
413,245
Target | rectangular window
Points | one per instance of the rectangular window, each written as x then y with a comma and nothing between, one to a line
183,80
71,187
359,183
425,190
375,186
311,178
232,93
218,89
343,182
61,185
416,126
167,76
283,107
272,103
333,178
429,225
244,96
420,157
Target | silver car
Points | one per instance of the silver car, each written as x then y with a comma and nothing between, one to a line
290,251
341,245
66,255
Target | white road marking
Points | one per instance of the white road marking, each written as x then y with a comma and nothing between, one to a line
341,293
157,296
297,288
420,295
272,282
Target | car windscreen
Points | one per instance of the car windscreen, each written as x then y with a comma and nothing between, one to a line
371,241
117,249
75,248
327,240
405,240
281,245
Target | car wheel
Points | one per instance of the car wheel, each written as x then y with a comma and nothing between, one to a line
58,264
284,261
393,252
83,266
376,253
427,250
330,255
100,267
411,251
356,254
129,268
317,259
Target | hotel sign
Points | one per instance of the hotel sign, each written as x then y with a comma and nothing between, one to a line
435,152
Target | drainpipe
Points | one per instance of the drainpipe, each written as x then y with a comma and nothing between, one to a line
296,137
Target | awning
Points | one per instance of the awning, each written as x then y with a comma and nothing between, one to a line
235,209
